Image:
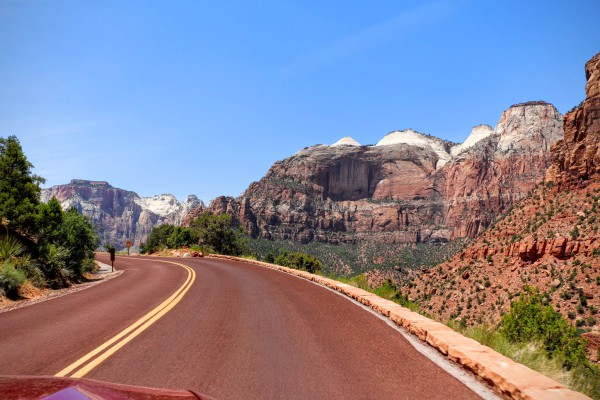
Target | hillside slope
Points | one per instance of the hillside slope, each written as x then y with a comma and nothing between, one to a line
550,240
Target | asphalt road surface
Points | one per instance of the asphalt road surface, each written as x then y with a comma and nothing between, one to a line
226,329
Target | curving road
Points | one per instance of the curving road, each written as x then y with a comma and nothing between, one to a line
240,331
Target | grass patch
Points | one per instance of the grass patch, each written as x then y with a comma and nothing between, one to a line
583,377
388,291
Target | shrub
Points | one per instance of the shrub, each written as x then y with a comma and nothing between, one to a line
10,248
299,261
574,233
586,379
532,319
53,258
269,257
11,278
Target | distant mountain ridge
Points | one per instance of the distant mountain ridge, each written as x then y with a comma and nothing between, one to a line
120,215
408,188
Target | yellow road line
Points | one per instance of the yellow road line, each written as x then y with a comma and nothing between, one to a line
126,335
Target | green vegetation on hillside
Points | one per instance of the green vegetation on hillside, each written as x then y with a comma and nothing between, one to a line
302,261
208,232
39,243
532,333
535,334
533,319
348,259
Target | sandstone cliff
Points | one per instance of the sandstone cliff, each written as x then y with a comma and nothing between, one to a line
548,240
120,215
576,159
408,188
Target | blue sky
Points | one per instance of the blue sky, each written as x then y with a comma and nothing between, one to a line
198,97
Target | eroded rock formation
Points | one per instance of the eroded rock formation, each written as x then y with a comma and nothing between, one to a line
576,159
548,240
120,215
408,188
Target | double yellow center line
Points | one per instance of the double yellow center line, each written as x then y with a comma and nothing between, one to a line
95,357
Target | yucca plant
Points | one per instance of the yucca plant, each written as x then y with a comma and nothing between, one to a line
11,277
10,248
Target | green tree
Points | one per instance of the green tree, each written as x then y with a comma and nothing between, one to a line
50,219
218,233
78,236
158,238
180,237
19,189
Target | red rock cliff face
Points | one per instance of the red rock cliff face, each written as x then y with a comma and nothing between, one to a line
548,240
487,180
401,192
576,159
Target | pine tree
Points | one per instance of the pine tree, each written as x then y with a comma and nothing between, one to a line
19,189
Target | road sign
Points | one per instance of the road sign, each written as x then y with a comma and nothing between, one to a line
112,258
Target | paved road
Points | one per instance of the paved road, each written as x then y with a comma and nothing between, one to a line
241,331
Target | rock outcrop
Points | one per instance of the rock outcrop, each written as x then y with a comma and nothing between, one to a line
495,172
576,159
120,215
408,188
548,240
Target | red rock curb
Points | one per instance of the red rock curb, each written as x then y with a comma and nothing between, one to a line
506,376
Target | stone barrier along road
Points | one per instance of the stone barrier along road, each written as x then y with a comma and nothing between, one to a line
506,376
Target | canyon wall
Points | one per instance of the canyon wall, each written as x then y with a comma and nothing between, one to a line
120,215
408,188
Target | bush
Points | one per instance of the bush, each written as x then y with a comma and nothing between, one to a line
531,319
574,233
53,258
11,278
586,379
10,248
299,261
269,257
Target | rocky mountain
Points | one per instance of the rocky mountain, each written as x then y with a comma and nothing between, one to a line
408,188
120,215
548,240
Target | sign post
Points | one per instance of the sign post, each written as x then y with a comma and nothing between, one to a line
112,258
128,246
